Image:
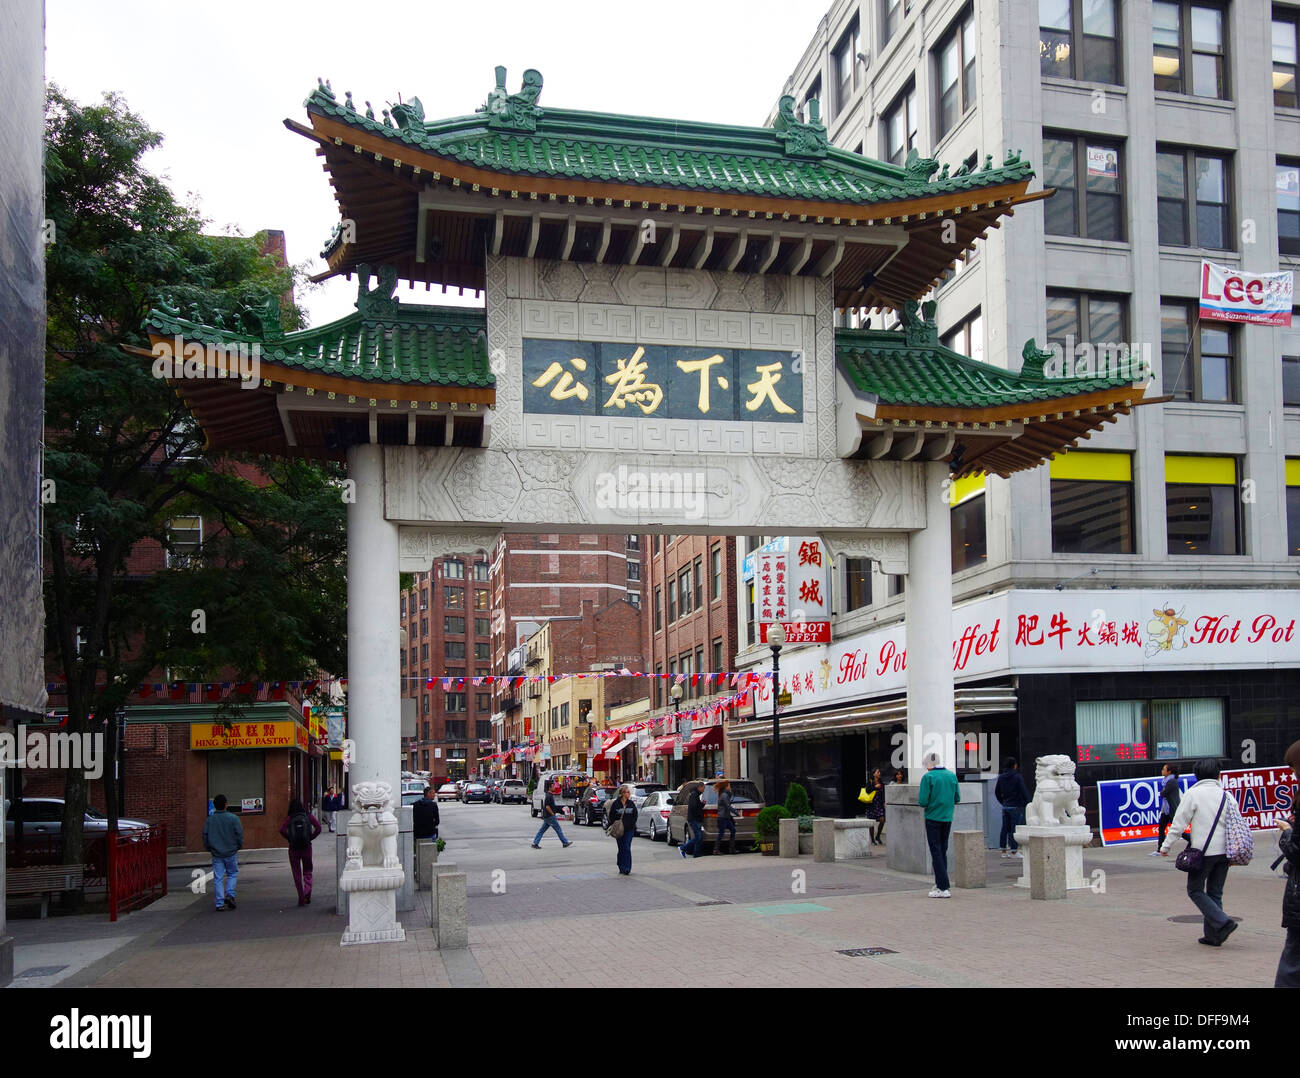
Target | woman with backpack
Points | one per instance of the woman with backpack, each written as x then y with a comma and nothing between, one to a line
299,829
1210,811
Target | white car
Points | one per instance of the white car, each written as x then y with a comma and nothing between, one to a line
652,814
448,792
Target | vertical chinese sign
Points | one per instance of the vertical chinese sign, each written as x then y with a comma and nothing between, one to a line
792,587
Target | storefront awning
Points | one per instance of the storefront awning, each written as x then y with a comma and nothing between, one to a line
660,746
618,746
708,738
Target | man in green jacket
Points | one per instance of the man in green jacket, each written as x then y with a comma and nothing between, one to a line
937,796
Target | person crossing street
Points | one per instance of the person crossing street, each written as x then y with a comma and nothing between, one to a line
550,818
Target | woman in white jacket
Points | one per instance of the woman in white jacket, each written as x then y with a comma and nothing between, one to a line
1198,809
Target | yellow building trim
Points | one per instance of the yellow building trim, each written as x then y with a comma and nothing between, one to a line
1098,467
1215,471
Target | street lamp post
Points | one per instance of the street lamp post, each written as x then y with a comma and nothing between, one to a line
776,639
675,693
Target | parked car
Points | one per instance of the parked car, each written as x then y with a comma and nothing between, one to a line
475,791
447,792
410,797
642,790
592,805
652,814
746,803
512,790
44,816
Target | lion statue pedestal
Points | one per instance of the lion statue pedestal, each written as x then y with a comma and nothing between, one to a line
1055,810
372,874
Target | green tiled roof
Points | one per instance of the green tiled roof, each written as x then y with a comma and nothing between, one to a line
885,365
791,161
404,344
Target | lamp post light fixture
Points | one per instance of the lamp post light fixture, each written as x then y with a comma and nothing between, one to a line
776,640
676,695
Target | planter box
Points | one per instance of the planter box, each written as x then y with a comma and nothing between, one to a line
805,844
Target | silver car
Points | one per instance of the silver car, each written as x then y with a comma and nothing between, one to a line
652,814
44,816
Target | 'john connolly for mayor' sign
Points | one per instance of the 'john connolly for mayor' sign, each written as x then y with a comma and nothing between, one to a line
662,381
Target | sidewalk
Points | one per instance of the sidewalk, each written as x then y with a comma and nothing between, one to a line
744,921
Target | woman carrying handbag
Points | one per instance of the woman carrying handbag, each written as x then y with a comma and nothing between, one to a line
875,802
1205,808
622,827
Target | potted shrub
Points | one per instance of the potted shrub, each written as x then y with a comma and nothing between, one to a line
805,834
767,827
798,805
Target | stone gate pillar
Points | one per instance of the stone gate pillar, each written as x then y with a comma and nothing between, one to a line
374,685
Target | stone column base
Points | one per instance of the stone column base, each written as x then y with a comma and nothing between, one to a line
1076,838
372,905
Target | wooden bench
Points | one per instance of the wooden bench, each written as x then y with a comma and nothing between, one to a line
44,880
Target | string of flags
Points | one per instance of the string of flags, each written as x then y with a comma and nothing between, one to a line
741,678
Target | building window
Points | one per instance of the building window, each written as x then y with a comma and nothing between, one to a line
455,729
845,61
1291,361
718,661
1061,23
897,585
453,570
424,599
481,600
403,658
482,651
453,649
699,583
1088,177
659,621
1293,507
891,19
424,653
482,627
814,93
1109,731
483,729
654,543
634,570
659,685
1092,503
453,703
1201,505
684,668
454,598
453,626
634,542
1288,206
715,557
956,73
684,592
1198,366
966,521
424,707
413,656
634,597
857,583
1286,47
1098,321
184,540
403,604
967,337
1184,221
899,126
1181,30
672,601
480,570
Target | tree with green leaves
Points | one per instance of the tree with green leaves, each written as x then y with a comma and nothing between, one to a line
126,458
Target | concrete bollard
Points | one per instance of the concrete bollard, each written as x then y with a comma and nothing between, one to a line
1047,866
823,840
435,870
426,856
789,833
969,865
451,930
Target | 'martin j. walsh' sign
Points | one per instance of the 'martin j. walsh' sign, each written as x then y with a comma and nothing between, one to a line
662,381
1229,295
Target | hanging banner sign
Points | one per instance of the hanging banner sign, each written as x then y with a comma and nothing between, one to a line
1265,795
1230,295
793,587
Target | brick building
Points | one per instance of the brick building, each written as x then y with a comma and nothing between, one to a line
447,618
690,630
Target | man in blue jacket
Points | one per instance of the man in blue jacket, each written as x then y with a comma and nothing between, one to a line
937,796
223,837
1013,796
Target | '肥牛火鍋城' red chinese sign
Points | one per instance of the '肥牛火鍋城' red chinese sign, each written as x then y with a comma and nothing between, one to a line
792,588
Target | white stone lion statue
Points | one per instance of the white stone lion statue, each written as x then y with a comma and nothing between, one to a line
1056,794
372,828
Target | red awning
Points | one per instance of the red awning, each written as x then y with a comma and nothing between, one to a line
660,746
708,738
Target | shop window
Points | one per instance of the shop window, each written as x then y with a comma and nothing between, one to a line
237,773
956,66
1192,199
1088,175
1288,206
1201,505
1077,40
966,520
1293,507
1190,55
1109,731
1092,503
1286,46
1198,366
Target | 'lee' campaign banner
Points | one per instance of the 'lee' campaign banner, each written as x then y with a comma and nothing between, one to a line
1128,810
1230,295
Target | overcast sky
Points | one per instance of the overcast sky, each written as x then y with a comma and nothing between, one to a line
218,77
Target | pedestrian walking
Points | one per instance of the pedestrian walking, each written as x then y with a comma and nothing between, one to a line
550,817
1288,966
694,821
425,819
1013,796
937,796
329,805
726,818
621,825
1170,797
1204,808
223,837
300,829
